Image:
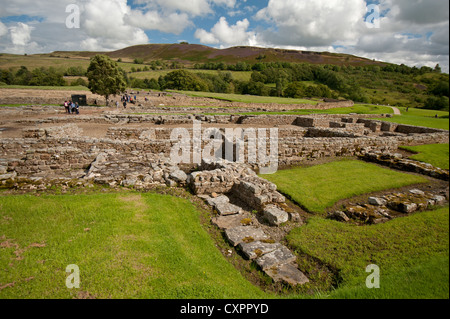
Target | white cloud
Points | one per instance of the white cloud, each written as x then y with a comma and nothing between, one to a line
192,7
21,34
227,3
3,29
312,23
153,20
104,22
228,35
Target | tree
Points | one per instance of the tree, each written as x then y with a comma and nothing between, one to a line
105,77
183,80
295,90
437,68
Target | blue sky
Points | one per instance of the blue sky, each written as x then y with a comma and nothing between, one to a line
413,32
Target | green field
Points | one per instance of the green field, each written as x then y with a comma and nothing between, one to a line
421,117
319,187
237,75
45,88
126,246
434,154
412,254
133,245
248,98
357,108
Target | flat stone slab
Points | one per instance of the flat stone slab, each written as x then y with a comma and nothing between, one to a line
288,273
247,234
276,258
257,249
275,216
377,201
231,221
218,200
226,209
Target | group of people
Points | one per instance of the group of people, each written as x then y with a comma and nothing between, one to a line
127,99
71,107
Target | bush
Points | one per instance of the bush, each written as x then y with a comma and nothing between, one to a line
79,82
437,103
183,80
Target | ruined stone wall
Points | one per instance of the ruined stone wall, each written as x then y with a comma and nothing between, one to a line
291,149
334,105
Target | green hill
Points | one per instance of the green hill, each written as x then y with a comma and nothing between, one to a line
187,54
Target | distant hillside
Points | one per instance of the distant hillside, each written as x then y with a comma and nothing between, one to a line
189,54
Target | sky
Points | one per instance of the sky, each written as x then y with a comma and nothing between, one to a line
412,32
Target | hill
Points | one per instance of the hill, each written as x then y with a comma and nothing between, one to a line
188,54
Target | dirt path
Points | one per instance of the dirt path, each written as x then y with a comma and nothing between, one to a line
396,110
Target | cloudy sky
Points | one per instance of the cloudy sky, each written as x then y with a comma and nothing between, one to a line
413,32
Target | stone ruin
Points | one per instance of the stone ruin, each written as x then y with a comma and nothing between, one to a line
387,207
217,183
135,151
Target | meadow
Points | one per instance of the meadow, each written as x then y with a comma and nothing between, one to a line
421,117
319,187
434,154
126,246
412,254
136,245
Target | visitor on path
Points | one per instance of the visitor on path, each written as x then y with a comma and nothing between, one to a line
66,106
74,108
124,104
69,107
117,104
77,108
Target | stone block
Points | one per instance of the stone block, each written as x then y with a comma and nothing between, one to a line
231,221
178,176
247,234
339,216
218,200
417,192
439,200
257,249
225,209
275,216
276,258
376,201
288,273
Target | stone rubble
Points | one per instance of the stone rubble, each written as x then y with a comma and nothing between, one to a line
276,260
384,208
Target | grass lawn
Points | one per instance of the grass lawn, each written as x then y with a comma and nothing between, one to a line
434,154
46,88
237,75
126,245
319,187
411,252
357,108
421,117
248,98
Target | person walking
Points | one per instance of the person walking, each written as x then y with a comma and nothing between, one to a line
66,106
